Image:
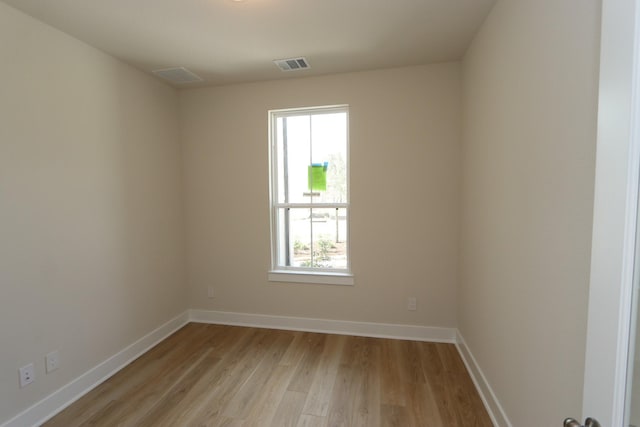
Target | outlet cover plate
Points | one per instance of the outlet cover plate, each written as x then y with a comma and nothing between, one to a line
52,361
27,375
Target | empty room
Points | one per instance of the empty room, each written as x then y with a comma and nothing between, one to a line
318,213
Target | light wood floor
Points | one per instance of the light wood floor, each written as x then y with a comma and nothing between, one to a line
212,375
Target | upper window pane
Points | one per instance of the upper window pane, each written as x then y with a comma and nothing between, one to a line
311,157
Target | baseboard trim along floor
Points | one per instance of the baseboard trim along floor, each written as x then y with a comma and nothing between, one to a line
497,414
342,327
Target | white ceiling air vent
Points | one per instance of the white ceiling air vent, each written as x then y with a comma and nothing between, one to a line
177,75
292,64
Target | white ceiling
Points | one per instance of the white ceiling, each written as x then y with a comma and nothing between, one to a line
225,41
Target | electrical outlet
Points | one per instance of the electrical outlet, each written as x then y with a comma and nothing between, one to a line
52,361
411,303
211,292
27,375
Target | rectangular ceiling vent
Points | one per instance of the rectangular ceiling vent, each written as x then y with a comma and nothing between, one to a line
292,64
178,75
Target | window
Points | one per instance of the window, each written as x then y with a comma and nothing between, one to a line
310,195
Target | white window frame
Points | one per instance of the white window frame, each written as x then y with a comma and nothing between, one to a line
279,273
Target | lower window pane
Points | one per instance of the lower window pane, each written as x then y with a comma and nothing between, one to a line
299,237
312,238
329,230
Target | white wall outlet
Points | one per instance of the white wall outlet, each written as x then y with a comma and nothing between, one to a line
52,361
27,375
211,292
411,303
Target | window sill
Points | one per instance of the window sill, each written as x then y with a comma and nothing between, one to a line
304,277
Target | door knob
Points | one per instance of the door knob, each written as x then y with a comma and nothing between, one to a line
589,422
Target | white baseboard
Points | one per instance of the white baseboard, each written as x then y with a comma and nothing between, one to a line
63,397
497,414
343,327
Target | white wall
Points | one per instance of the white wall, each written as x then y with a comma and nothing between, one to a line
404,139
529,133
91,243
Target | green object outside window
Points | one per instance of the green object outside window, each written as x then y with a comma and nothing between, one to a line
318,176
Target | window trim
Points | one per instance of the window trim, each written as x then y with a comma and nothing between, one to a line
279,273
322,278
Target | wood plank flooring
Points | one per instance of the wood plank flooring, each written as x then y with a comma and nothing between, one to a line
214,375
